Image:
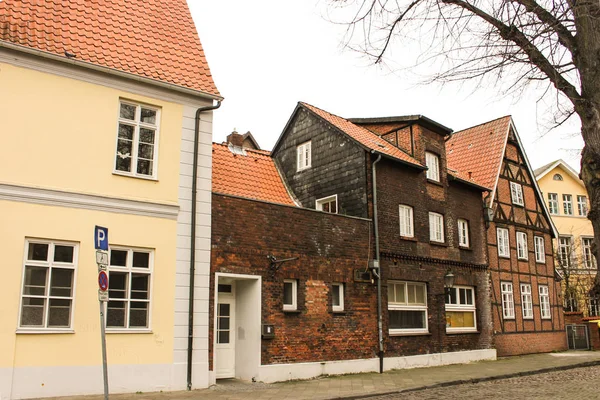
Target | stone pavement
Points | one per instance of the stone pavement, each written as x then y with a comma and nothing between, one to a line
371,384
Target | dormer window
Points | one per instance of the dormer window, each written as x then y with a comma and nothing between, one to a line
433,166
303,156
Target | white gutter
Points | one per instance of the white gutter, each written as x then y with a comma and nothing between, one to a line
107,70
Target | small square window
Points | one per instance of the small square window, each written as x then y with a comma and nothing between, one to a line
304,159
290,295
432,161
516,192
327,204
337,291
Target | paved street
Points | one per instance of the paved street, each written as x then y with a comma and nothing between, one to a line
531,384
580,383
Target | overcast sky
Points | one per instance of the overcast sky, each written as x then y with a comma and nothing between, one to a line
266,55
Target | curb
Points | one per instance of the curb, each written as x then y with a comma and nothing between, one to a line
474,380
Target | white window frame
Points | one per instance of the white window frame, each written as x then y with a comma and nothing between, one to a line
137,124
540,251
565,251
544,302
589,260
340,287
582,205
436,227
129,269
406,221
522,251
397,306
304,156
516,193
553,203
432,161
567,204
463,232
508,300
50,264
503,242
319,203
294,305
458,307
526,301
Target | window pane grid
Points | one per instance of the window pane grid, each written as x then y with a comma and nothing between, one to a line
407,307
508,306
544,302
553,203
540,255
567,204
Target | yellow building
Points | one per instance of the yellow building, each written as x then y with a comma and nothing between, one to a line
567,201
101,108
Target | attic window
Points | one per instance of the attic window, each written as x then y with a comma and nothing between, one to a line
237,150
557,177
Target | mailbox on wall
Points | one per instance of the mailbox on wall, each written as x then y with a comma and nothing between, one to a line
268,331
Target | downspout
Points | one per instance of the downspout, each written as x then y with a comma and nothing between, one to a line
377,267
193,242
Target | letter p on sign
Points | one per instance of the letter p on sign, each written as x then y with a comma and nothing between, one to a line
100,238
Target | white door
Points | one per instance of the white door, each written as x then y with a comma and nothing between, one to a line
225,335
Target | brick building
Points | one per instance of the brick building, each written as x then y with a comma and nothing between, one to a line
296,253
525,291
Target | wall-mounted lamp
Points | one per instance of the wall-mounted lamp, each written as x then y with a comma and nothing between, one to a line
449,279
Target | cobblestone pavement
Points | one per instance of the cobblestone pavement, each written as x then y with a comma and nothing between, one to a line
579,383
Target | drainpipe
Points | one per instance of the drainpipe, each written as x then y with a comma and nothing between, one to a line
377,267
193,242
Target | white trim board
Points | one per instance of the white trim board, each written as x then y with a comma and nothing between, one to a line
60,198
286,372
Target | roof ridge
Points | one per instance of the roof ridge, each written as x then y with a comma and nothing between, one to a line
483,123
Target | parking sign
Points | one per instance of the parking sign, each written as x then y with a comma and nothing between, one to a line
100,238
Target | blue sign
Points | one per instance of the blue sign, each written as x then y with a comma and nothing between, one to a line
100,238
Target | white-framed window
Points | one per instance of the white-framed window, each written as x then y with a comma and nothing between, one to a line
503,243
508,303
337,298
557,177
463,233
432,161
460,309
526,301
553,203
540,251
567,204
304,158
407,307
544,302
406,221
522,245
129,283
565,248
327,204
290,294
48,285
137,140
516,193
582,205
436,227
589,260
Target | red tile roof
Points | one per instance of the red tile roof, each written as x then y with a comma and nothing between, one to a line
155,39
476,153
252,176
363,136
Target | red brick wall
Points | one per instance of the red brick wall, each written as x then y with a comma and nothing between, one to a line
329,248
529,343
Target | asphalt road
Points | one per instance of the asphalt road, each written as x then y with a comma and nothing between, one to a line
579,383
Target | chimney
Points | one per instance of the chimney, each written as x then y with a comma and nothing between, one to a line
235,139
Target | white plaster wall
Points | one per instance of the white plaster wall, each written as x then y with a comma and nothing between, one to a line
200,378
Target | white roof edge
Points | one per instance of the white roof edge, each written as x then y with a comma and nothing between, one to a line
564,166
533,180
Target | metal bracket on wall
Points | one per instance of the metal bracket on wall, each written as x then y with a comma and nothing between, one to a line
275,264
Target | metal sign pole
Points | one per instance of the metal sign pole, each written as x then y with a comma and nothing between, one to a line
104,364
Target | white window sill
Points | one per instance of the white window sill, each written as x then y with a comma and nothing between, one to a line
528,318
408,333
144,177
128,331
522,259
547,318
509,318
42,331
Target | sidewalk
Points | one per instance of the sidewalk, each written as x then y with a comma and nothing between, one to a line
359,385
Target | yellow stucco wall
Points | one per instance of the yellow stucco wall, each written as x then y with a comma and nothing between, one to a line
60,133
574,225
20,221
